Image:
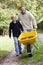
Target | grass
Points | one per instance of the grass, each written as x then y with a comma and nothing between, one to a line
6,45
40,31
37,55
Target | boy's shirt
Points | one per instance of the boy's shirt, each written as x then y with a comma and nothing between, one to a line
15,28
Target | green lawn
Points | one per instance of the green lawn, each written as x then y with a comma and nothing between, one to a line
6,45
40,31
37,54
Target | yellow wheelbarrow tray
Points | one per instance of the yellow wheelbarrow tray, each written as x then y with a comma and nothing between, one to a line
28,37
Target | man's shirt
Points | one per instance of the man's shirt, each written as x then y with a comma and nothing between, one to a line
27,20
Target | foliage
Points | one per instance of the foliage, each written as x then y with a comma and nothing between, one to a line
9,7
40,25
40,31
34,6
3,30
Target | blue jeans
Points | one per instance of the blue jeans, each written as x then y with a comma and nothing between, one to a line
17,45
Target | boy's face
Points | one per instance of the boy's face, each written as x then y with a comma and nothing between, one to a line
14,19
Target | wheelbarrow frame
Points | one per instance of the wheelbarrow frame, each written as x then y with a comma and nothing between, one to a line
31,40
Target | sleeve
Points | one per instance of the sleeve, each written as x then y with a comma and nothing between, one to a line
19,19
21,26
10,30
32,18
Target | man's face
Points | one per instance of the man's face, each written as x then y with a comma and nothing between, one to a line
23,10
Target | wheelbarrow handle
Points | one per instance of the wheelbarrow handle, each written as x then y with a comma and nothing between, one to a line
34,29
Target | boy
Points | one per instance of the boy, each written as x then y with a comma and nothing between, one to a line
16,29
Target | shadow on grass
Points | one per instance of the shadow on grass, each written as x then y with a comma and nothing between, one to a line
3,53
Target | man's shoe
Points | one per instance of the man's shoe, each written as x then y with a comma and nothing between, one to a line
20,53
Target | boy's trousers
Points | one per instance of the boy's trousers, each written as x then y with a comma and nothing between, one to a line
17,45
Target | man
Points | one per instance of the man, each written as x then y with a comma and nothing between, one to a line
28,22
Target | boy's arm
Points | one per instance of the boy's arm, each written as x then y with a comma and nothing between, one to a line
10,30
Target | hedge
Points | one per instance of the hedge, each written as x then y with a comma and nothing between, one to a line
3,30
40,25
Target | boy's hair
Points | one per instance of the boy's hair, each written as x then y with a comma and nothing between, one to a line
12,16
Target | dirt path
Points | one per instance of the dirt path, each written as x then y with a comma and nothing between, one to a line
11,59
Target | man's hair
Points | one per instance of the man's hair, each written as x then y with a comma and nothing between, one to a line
21,6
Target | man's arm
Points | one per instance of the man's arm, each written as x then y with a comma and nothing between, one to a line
21,26
10,30
32,18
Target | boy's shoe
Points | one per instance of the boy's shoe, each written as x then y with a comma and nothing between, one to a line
30,55
17,54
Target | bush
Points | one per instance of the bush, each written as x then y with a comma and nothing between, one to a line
40,25
3,30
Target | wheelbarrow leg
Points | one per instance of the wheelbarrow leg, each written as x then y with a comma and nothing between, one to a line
36,46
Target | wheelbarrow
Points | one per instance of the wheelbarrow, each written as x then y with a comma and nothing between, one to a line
28,37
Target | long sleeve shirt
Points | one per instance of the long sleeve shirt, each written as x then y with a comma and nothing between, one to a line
27,20
15,28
